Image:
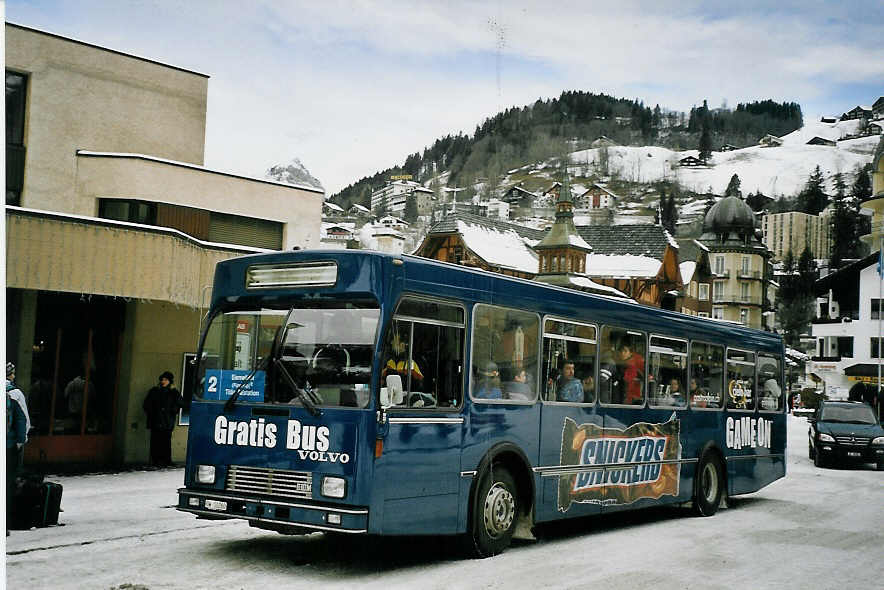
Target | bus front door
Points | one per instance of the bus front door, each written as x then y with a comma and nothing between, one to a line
418,471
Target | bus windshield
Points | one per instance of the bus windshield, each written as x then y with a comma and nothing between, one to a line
326,347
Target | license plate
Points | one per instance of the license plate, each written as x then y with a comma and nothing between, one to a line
215,505
854,454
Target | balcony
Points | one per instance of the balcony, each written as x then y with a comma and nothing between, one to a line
749,274
738,299
845,318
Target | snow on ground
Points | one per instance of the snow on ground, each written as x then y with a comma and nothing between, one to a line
773,171
816,528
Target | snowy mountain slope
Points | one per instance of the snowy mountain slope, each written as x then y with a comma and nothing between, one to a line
293,173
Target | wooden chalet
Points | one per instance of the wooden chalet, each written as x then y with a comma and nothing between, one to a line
728,148
878,108
690,161
858,112
817,140
770,141
696,276
641,261
596,197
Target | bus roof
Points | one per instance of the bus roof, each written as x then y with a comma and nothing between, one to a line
361,270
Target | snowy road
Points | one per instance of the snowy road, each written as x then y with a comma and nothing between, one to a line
817,528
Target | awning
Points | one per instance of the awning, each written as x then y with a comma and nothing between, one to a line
862,370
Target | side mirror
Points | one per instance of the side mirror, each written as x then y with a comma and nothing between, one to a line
392,394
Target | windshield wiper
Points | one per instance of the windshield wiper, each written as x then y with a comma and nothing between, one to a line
306,394
228,405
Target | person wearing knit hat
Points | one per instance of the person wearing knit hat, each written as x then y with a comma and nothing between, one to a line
17,425
13,391
161,406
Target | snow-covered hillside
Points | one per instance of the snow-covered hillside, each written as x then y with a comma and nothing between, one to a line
774,171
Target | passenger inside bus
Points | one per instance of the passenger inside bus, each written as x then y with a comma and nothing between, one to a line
588,388
399,362
521,387
632,370
489,382
569,388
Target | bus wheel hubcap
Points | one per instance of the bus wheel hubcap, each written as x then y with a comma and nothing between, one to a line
500,508
710,482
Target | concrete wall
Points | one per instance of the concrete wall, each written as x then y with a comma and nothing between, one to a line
160,334
152,180
89,98
49,253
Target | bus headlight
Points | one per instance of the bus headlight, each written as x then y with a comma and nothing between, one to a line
826,438
205,474
334,487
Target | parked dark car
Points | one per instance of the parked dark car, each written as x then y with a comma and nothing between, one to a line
845,432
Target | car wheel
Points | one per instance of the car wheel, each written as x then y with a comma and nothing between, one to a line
881,466
810,454
818,460
708,485
494,513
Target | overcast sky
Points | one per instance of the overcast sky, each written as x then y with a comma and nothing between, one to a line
354,87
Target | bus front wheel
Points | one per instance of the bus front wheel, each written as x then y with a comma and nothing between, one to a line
494,513
708,485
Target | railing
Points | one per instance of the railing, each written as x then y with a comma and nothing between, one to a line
747,299
749,274
844,318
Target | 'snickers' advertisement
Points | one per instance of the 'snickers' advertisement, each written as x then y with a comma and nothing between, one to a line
642,447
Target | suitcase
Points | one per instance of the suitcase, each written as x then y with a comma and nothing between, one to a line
27,502
50,493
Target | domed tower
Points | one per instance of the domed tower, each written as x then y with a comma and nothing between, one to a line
741,288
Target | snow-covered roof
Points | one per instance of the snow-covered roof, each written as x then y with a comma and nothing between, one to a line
332,206
621,266
359,207
505,248
587,283
687,271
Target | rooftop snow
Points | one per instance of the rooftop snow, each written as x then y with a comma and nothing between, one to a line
498,248
621,266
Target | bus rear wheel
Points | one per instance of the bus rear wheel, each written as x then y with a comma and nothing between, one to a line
494,513
708,485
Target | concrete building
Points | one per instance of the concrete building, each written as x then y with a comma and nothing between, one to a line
114,227
742,287
794,231
394,194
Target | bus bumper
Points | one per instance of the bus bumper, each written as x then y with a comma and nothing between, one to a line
274,513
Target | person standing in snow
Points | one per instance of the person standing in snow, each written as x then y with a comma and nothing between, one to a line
161,406
17,425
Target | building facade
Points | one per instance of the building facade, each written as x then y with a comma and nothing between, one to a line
742,287
114,227
392,197
794,231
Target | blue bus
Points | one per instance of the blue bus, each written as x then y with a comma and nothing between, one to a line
364,393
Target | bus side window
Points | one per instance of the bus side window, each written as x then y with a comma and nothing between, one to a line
770,392
504,354
668,371
425,347
622,367
569,359
707,371
740,380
